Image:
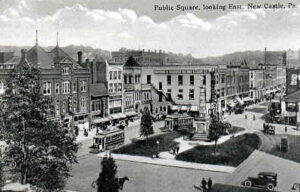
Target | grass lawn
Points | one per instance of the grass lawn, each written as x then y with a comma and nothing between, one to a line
140,148
229,188
293,152
235,129
231,153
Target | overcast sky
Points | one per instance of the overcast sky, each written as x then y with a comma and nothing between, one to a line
112,24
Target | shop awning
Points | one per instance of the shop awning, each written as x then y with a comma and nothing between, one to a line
231,103
194,108
238,99
184,108
114,116
130,113
122,115
174,107
247,99
100,120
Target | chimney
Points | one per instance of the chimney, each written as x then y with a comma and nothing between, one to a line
155,51
79,53
160,51
265,61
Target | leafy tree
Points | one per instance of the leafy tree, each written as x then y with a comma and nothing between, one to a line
41,148
146,128
215,132
107,180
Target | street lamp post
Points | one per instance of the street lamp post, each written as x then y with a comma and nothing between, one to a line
157,142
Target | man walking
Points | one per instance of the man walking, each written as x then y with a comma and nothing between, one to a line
203,184
209,183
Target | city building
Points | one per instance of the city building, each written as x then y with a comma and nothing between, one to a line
256,77
62,79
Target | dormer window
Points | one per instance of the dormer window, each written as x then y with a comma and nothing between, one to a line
66,70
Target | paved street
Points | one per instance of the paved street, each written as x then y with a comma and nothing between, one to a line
143,177
148,177
288,171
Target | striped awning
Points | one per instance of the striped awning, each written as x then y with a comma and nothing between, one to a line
100,120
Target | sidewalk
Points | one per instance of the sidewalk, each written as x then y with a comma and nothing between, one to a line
171,163
185,145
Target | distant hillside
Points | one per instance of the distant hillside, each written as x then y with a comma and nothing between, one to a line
251,57
88,52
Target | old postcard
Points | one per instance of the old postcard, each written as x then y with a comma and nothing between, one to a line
149,95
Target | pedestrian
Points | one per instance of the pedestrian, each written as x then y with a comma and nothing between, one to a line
177,149
173,150
253,117
203,184
245,116
285,129
209,183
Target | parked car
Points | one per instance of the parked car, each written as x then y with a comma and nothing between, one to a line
267,180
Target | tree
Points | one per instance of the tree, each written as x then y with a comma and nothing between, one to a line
146,128
41,148
215,132
107,180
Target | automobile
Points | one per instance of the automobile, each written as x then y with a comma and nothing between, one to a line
267,180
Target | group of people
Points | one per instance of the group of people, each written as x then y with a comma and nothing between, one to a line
206,185
175,150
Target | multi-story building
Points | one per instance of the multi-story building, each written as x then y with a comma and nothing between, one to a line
142,57
62,79
137,97
110,76
256,77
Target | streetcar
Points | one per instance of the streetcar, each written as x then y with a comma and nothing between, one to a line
179,122
108,139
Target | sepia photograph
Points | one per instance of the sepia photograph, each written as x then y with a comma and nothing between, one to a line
149,95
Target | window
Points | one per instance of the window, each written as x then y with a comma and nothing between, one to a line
66,70
160,85
119,74
74,88
116,87
110,75
83,103
119,86
57,88
204,79
180,80
75,106
180,94
125,79
169,80
66,86
64,107
192,80
251,75
2,88
111,88
223,78
130,79
83,86
191,94
47,88
160,97
148,79
115,74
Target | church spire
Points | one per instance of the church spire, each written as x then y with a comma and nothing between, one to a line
57,39
36,37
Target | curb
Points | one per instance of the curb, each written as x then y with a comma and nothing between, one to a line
178,166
